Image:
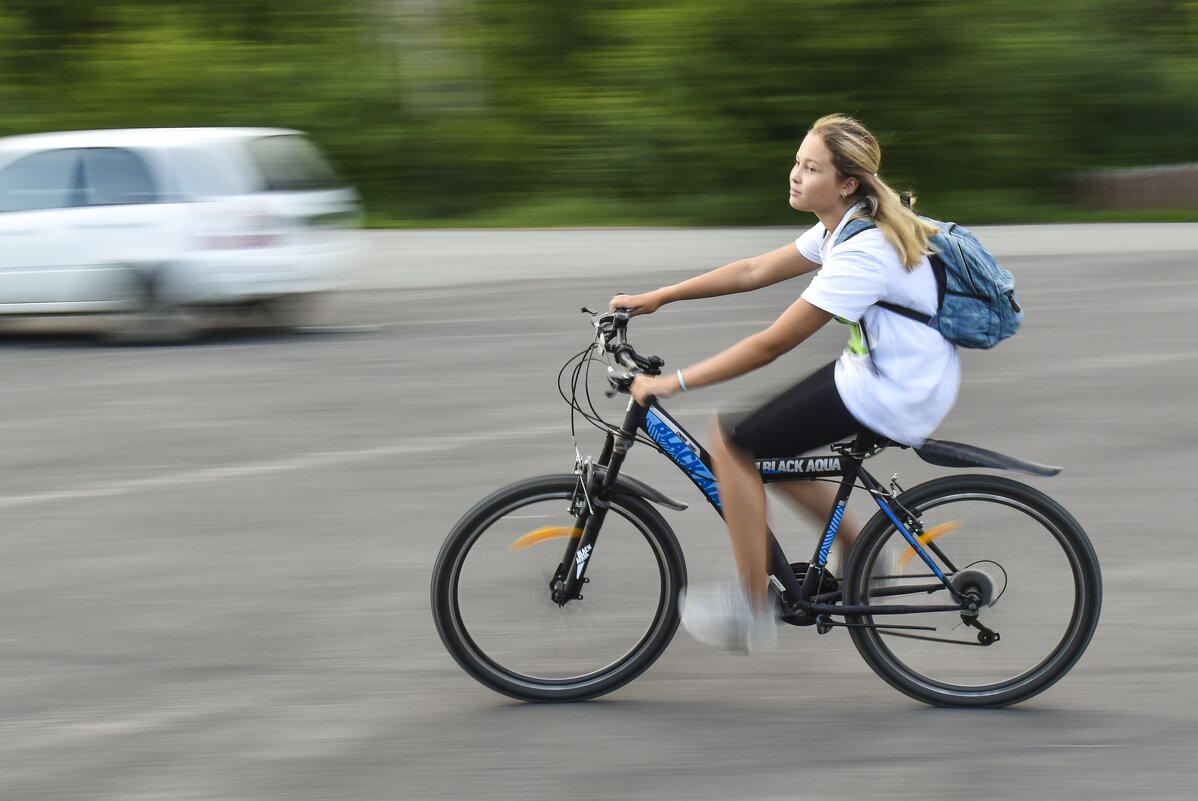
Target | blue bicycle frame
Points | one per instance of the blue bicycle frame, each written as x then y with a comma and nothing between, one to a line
802,594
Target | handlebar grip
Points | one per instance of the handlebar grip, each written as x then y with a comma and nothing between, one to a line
626,356
613,328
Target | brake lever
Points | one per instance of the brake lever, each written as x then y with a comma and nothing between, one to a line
619,383
653,365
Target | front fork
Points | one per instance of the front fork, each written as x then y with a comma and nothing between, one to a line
592,499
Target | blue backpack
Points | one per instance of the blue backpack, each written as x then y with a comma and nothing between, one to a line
977,304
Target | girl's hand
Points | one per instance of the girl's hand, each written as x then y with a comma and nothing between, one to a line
646,386
636,304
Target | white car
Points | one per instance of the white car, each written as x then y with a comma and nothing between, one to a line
143,222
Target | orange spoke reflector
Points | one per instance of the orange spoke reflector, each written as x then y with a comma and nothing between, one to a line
924,538
542,534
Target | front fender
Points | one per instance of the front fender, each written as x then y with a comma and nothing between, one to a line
637,487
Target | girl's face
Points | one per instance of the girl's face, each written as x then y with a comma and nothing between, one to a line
815,185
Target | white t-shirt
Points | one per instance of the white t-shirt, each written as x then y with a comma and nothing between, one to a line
897,375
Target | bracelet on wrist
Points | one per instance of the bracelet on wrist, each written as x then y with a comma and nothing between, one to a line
681,383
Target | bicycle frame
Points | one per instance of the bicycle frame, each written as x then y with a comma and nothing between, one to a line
599,480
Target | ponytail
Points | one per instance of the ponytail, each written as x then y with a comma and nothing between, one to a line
895,217
856,154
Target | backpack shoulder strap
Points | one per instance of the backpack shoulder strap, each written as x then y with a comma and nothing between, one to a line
903,310
854,227
938,271
859,224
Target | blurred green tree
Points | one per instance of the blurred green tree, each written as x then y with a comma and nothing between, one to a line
537,111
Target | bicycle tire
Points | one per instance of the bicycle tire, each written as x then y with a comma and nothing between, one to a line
494,612
1018,551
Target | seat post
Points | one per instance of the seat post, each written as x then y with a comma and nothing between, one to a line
865,442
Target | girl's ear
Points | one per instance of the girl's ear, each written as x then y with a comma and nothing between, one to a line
849,186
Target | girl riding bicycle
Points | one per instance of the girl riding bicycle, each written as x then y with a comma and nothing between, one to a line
897,377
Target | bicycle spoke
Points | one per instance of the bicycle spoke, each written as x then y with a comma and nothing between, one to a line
495,607
1021,561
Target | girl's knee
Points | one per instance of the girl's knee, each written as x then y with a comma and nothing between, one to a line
718,438
723,447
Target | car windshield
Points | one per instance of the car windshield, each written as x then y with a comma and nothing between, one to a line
290,162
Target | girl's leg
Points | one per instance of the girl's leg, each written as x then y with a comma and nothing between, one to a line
815,499
743,497
806,416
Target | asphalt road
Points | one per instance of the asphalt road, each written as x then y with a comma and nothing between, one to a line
215,562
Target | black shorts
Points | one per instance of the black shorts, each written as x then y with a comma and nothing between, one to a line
807,416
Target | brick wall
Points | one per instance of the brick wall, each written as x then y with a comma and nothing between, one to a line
1171,187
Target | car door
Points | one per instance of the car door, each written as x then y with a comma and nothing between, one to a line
79,229
126,231
37,247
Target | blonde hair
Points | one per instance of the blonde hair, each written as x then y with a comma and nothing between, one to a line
856,154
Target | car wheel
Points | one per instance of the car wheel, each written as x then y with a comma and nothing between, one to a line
151,319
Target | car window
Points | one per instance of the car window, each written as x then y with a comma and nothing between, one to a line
113,176
43,180
204,172
290,162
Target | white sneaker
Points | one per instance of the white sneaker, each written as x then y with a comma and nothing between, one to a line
724,617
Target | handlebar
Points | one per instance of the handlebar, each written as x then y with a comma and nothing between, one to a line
612,328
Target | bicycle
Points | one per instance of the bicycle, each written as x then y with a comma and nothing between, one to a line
920,595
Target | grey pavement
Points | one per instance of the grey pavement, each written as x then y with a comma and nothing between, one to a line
215,565
454,257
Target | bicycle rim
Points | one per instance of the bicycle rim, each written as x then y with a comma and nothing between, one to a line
497,616
1021,554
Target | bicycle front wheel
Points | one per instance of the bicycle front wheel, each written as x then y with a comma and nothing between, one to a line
1025,562
492,594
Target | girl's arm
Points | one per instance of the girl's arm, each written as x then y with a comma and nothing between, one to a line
739,276
796,324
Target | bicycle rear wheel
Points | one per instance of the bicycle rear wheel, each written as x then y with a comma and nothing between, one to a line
492,601
1020,554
